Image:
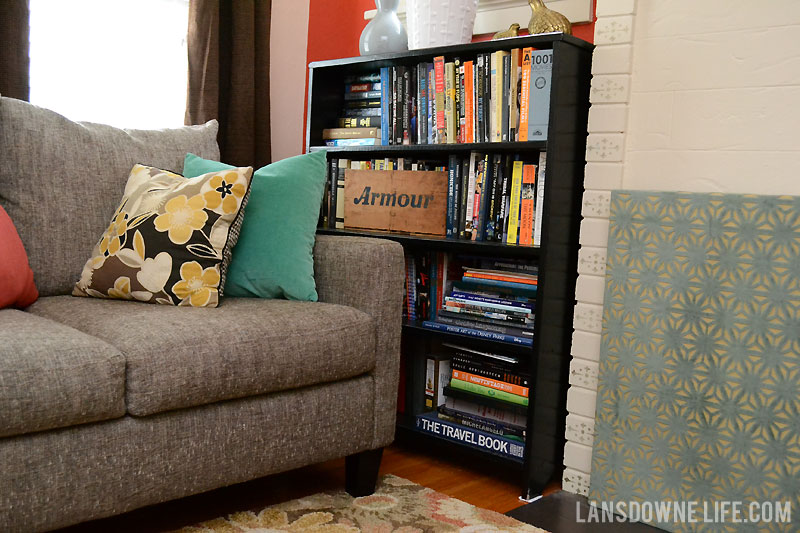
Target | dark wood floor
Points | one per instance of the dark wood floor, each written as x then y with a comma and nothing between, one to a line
486,485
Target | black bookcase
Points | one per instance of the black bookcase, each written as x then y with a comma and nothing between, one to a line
557,255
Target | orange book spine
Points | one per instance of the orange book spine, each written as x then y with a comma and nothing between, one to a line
524,103
469,102
519,390
499,277
528,196
438,72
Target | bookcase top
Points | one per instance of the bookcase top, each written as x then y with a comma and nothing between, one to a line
544,40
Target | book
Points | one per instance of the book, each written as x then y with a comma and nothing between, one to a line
512,235
363,112
539,96
539,208
360,122
501,317
363,87
352,142
437,376
480,99
505,123
372,103
482,197
486,425
469,102
509,417
439,85
469,211
489,392
362,95
526,206
462,218
363,78
490,304
351,133
515,81
484,366
431,424
451,196
407,106
505,200
491,200
422,119
496,384
477,333
520,288
501,276
449,103
431,118
386,102
342,166
524,102
458,99
445,317
506,302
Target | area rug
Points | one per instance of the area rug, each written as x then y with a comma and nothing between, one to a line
398,506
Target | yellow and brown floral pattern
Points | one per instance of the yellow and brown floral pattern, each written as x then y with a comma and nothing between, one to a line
170,240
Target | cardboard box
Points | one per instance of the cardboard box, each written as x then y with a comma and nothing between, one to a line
407,201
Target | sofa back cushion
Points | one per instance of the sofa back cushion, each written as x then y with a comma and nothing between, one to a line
60,181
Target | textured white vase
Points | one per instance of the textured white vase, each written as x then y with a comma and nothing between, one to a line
440,22
385,33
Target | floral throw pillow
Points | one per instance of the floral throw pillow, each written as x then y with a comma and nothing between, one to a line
170,239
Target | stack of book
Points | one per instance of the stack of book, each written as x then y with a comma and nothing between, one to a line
360,124
495,300
477,398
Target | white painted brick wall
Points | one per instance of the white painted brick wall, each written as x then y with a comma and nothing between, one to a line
686,95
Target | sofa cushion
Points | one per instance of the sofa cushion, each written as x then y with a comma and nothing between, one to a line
17,288
186,357
60,181
274,257
54,376
170,240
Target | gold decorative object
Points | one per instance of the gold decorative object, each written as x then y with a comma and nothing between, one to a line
544,20
512,31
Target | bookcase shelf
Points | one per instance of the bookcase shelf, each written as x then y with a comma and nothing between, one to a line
422,149
442,244
547,361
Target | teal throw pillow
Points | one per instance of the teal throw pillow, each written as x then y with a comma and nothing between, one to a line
274,255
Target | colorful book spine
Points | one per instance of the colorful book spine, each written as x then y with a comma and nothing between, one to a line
480,97
494,106
352,142
526,208
386,102
513,95
431,105
449,104
441,125
539,215
467,362
487,324
510,418
469,101
501,386
512,235
469,210
501,277
422,119
482,200
363,87
493,305
521,288
539,98
500,317
505,123
432,424
478,333
489,392
406,102
451,198
524,94
471,297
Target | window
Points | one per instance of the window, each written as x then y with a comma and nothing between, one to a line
118,62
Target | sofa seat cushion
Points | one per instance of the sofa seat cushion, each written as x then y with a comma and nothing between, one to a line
52,375
182,357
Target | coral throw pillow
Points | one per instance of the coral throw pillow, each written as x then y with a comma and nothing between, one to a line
170,239
16,277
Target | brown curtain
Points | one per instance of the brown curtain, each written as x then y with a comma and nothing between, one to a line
229,75
14,62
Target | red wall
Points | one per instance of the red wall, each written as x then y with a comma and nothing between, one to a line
334,27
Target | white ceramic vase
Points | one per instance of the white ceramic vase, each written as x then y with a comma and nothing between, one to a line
385,33
440,22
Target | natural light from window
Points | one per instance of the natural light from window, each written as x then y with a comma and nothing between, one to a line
118,62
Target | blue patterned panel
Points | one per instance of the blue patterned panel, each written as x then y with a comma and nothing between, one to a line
699,389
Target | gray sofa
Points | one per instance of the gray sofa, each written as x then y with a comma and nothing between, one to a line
107,406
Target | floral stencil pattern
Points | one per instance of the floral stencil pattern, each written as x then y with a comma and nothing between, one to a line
170,239
398,506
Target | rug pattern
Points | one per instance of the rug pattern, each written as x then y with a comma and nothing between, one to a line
699,384
398,506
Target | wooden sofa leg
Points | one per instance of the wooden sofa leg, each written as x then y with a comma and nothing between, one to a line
361,472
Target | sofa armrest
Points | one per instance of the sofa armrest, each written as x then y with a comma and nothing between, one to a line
368,274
